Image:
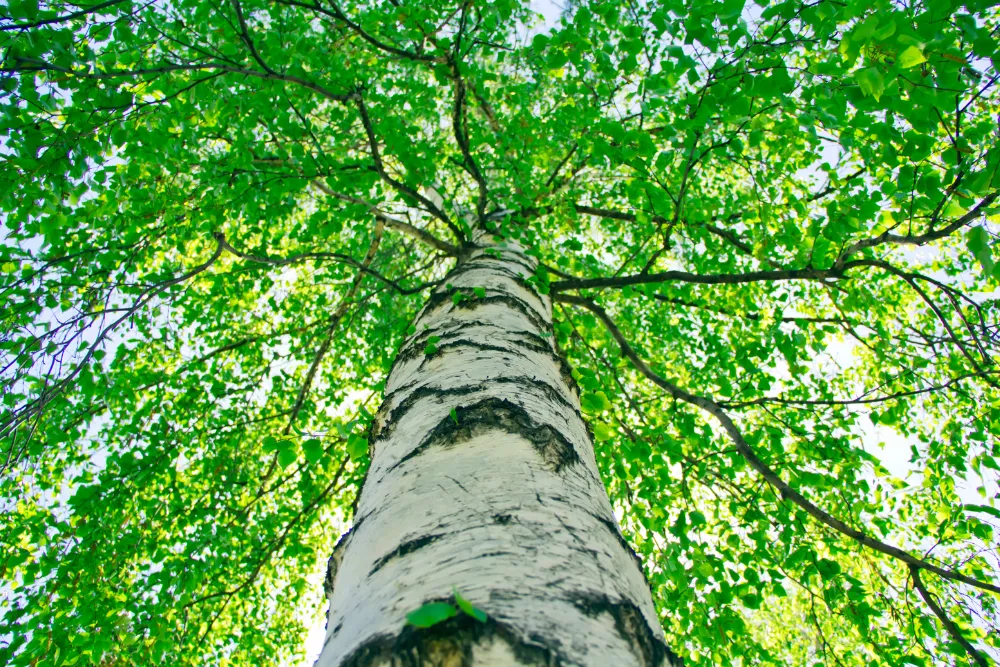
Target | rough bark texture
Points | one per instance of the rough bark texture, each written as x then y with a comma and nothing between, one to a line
483,480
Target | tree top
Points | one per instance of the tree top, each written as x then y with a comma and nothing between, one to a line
767,229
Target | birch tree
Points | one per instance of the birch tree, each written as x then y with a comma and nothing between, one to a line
643,332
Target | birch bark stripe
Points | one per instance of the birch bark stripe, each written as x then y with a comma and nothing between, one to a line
504,503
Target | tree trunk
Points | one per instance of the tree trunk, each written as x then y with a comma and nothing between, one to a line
483,480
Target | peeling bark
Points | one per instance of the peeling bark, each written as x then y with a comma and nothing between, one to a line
483,479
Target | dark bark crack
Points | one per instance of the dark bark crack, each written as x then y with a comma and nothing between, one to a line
508,299
450,644
407,547
631,626
444,297
392,419
508,259
498,414
338,555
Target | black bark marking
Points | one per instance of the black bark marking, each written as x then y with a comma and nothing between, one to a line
450,644
338,555
331,574
502,519
392,419
551,392
486,347
631,626
511,301
498,414
476,265
407,547
414,347
517,278
438,299
510,257
529,340
446,329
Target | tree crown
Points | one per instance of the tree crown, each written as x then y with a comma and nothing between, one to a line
767,230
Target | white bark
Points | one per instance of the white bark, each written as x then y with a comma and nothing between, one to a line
504,504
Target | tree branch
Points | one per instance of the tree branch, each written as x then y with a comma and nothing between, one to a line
945,621
415,232
339,15
35,406
462,139
306,256
762,468
245,36
406,190
723,234
918,239
861,400
42,66
706,279
61,19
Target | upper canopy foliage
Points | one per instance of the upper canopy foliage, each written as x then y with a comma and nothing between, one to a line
221,215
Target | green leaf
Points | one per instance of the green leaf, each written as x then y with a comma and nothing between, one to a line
911,57
885,30
286,457
313,450
977,241
866,29
828,569
594,403
468,608
345,429
603,432
431,614
479,292
357,447
886,222
454,415
823,252
985,509
871,81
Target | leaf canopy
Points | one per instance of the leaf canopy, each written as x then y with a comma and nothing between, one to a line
769,230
